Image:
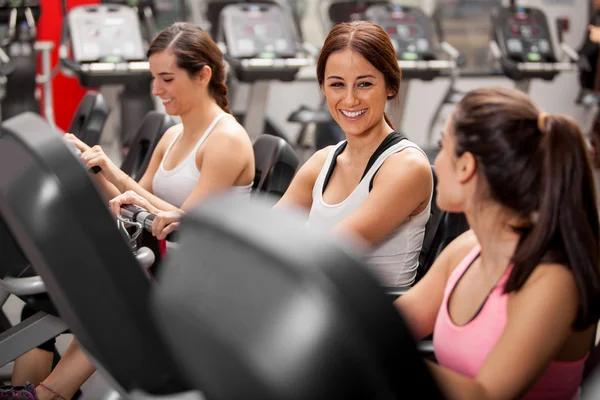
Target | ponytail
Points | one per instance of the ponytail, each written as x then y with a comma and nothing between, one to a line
565,226
219,93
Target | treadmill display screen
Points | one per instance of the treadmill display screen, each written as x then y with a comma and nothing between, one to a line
101,34
526,35
408,28
258,33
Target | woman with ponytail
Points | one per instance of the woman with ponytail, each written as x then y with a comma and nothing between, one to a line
208,152
376,184
513,304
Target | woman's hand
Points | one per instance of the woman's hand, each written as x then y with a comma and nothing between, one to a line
165,223
95,157
131,197
595,34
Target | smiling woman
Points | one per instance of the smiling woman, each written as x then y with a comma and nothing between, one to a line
375,185
209,152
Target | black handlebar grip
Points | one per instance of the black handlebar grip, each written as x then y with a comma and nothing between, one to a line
171,237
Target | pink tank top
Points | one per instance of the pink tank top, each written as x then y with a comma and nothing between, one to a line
465,348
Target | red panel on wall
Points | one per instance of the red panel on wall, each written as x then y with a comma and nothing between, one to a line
67,92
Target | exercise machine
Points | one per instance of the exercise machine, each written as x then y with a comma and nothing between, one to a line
103,45
18,49
522,45
301,317
52,190
260,44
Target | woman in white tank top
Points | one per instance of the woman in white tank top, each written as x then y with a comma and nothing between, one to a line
375,185
208,152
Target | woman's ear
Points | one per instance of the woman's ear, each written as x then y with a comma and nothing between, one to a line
466,167
204,75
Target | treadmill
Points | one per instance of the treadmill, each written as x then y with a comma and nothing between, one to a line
522,45
103,45
260,44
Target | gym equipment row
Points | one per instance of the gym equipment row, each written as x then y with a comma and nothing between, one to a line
303,318
105,44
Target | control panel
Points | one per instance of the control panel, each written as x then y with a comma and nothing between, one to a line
257,31
109,34
408,28
523,34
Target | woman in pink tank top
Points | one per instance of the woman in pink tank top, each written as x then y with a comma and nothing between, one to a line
513,303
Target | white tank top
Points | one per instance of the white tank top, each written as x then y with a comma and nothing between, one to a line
175,185
395,258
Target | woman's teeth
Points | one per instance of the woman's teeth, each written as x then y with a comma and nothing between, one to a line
353,114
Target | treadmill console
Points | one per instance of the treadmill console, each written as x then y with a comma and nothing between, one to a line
408,28
106,34
213,9
257,31
411,33
106,45
524,34
260,42
525,42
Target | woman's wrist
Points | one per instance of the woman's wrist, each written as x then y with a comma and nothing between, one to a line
121,179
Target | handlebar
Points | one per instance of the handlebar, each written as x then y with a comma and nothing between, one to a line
133,213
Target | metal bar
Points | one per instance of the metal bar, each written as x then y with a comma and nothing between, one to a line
254,121
29,334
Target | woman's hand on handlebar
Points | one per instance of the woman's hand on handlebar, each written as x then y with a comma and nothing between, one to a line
95,157
165,223
131,197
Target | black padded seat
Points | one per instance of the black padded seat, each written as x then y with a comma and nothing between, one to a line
276,163
89,118
64,228
254,295
149,133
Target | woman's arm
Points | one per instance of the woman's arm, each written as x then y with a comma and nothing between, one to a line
113,181
540,317
226,156
402,185
299,193
421,304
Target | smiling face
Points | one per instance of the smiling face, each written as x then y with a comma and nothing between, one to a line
177,90
356,92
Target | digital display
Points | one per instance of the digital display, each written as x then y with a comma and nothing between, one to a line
526,36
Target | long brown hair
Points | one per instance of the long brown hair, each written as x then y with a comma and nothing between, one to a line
537,165
194,49
371,42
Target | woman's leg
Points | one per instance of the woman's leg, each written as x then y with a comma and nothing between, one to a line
70,373
35,365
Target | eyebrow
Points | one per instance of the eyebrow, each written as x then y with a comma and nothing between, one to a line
357,78
165,73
